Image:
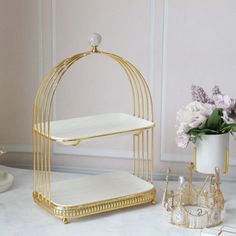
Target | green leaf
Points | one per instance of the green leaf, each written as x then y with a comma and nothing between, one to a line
226,128
196,131
233,128
203,125
214,121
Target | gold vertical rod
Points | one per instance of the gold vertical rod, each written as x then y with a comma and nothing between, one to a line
138,155
227,161
40,163
41,156
147,157
134,155
34,153
45,167
152,154
49,170
143,154
37,161
195,158
34,161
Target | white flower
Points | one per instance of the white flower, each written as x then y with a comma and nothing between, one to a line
194,114
191,116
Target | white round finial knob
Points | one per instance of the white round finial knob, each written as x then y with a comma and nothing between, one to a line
95,39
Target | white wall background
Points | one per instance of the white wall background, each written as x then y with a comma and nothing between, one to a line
173,43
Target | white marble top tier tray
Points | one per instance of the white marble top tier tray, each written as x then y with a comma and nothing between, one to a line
95,188
71,131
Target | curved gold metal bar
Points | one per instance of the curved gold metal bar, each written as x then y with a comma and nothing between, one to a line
141,88
126,68
149,98
137,75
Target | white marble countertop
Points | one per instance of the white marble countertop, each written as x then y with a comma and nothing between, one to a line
20,216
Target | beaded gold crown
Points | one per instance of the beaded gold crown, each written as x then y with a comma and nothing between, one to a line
194,207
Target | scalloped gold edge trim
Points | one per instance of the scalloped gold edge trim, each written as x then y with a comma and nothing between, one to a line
78,211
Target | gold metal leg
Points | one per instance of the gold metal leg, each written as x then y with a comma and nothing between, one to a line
65,221
154,202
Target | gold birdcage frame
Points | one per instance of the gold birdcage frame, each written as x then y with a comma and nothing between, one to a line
143,136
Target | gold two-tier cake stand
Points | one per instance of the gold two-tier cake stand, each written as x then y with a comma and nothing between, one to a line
90,195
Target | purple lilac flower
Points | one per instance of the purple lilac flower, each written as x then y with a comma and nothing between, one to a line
199,95
216,90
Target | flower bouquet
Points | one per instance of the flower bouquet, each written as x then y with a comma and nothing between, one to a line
207,120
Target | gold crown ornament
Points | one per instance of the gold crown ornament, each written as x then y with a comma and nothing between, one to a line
194,207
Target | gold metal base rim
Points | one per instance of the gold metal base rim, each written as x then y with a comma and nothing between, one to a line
72,212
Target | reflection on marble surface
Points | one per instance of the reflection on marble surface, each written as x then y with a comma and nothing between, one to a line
6,180
20,216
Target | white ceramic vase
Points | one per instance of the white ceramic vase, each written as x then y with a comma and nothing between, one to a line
212,152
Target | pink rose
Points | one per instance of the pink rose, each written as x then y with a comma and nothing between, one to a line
182,140
198,120
222,101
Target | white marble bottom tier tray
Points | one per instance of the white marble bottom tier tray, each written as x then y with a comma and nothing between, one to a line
19,216
96,194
